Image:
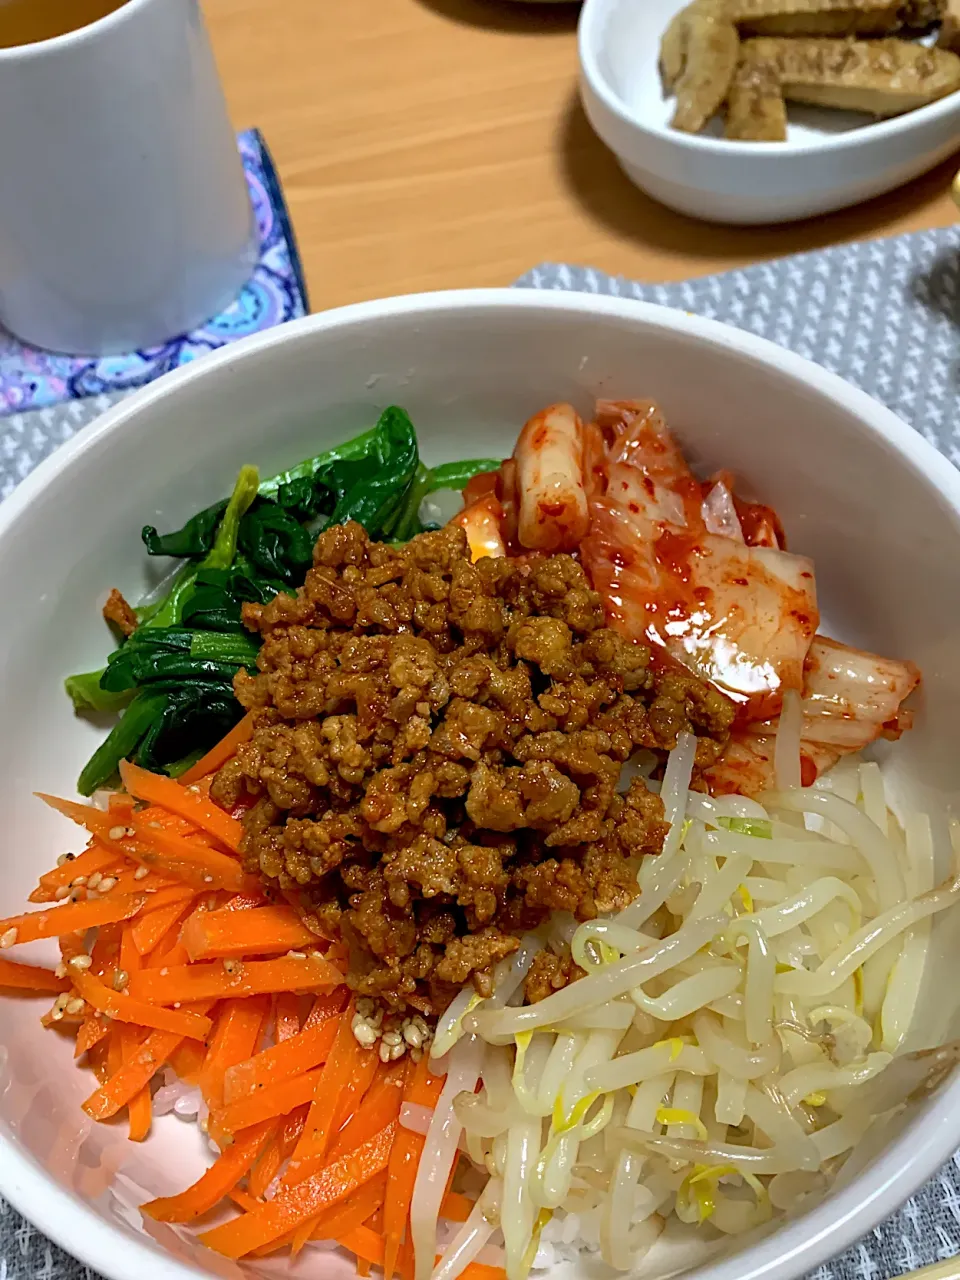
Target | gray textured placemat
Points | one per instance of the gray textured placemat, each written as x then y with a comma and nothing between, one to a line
885,315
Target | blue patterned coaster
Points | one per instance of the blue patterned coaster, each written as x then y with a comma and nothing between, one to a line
35,379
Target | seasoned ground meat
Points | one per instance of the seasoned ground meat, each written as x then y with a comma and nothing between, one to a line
549,973
118,612
436,751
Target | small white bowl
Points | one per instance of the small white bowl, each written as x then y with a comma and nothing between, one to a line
875,506
831,159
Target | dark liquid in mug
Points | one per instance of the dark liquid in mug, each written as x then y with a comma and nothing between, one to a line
27,21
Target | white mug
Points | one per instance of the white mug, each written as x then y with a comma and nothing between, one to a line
125,218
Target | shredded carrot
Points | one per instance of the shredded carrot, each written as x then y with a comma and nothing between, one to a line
217,1182
140,1106
92,1031
423,1088
381,1105
286,1015
346,1061
91,860
279,1150
238,1027
158,789
182,858
302,1052
265,1104
342,1218
124,1008
28,977
244,1199
218,756
150,930
73,917
261,931
455,1207
336,1182
133,1075
187,1060
369,1245
216,979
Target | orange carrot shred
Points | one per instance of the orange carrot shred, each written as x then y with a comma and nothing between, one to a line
124,1008
260,931
265,1104
155,788
302,1052
234,1039
345,1062
286,1015
28,977
218,755
92,1031
85,864
218,979
73,917
423,1088
217,1182
336,1182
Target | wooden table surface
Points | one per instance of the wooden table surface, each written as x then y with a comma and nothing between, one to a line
434,144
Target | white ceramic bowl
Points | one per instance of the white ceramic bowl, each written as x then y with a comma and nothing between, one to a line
875,506
831,159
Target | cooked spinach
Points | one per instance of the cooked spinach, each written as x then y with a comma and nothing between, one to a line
174,674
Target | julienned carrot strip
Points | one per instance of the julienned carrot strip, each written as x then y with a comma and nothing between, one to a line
140,1106
261,931
157,789
187,1060
455,1207
150,930
84,864
124,1008
381,1104
120,804
28,977
215,980
422,1088
286,1016
342,1218
218,755
217,1182
265,1104
268,1166
235,1037
92,1031
153,881
129,957
153,847
187,859
369,1246
332,1185
133,1075
171,896
73,917
244,1199
304,1051
343,1063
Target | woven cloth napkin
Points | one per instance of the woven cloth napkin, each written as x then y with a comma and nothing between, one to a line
883,314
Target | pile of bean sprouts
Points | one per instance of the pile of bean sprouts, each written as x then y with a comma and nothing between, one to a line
729,1045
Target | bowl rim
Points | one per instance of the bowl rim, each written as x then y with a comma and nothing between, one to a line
590,44
801,1244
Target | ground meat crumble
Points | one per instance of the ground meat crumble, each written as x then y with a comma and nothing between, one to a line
435,756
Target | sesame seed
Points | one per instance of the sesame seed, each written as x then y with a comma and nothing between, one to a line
94,880
92,895
397,1051
392,1038
62,859
107,883
61,970
365,1035
8,939
61,893
231,967
208,879
296,955
413,1035
141,873
117,833
81,962
75,1006
164,971
80,880
120,979
385,1052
